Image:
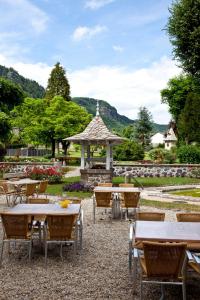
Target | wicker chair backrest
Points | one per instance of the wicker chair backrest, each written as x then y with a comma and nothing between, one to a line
42,186
38,200
60,227
150,216
109,184
188,217
15,226
164,259
103,199
131,199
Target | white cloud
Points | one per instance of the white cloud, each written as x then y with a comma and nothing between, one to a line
24,15
118,48
96,4
84,32
125,89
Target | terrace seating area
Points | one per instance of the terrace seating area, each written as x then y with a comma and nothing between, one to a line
88,260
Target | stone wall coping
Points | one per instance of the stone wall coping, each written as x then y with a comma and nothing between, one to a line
25,163
157,165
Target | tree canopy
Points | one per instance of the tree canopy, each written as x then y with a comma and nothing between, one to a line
144,127
43,122
184,32
5,127
189,122
58,84
176,92
10,95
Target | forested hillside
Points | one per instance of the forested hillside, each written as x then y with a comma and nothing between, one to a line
30,87
110,115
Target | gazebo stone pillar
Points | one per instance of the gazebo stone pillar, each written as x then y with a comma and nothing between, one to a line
94,176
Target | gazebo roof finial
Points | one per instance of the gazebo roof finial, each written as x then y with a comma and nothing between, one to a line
97,110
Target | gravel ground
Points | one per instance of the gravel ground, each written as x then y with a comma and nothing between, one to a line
100,272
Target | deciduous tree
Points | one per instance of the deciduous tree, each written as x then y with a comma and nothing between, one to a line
184,31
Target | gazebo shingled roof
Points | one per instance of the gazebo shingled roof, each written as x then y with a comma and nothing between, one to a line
96,132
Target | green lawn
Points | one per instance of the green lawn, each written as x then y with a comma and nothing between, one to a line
192,193
159,181
57,189
170,205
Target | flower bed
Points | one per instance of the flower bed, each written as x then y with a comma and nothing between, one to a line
77,187
52,174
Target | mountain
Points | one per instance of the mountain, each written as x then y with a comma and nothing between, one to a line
109,114
30,87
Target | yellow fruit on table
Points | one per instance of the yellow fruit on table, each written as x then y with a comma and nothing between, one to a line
64,203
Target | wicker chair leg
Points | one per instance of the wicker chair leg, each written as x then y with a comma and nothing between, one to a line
46,250
61,248
2,247
162,292
184,290
94,212
141,289
30,250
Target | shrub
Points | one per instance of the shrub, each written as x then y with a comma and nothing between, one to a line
77,187
189,154
2,152
161,155
38,173
129,150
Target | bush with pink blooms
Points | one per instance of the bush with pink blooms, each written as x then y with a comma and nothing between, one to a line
52,174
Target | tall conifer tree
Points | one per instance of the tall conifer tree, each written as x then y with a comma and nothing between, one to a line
58,84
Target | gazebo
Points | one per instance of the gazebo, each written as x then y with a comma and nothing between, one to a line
96,170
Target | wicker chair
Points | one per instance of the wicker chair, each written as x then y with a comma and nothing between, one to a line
108,184
9,192
135,246
190,217
29,190
60,229
163,264
16,228
42,188
130,200
101,200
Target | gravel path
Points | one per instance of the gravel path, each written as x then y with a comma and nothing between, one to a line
101,272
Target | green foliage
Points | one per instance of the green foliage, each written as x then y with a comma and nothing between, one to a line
2,152
189,154
58,84
189,121
144,127
160,155
129,132
129,150
41,122
184,31
5,127
176,92
10,95
30,87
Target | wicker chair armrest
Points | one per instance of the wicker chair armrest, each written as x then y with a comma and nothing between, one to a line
196,258
189,255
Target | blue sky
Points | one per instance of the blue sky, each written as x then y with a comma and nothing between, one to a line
115,50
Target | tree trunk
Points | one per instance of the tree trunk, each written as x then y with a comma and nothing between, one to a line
65,146
53,148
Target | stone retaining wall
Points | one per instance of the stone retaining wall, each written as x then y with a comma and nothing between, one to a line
21,167
155,170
